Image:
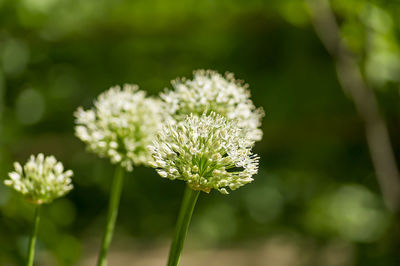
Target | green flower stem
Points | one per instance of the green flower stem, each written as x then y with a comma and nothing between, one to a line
185,214
112,214
32,241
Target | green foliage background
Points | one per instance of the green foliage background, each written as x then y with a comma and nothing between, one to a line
316,185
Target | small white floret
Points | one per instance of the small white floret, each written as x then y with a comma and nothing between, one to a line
41,180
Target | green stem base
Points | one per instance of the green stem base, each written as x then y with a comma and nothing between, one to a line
112,214
32,241
185,214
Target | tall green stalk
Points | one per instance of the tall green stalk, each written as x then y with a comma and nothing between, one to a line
112,214
185,214
32,241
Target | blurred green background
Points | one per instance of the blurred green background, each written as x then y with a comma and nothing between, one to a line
315,201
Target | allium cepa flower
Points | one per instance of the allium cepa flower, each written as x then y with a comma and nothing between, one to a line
206,151
121,125
41,180
210,91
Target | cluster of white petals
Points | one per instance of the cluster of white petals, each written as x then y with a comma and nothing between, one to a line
41,180
208,92
121,125
206,151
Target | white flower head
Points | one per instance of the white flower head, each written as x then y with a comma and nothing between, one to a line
41,180
206,151
209,91
121,125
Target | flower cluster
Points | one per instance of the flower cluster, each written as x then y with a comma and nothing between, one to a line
121,125
41,180
208,92
206,151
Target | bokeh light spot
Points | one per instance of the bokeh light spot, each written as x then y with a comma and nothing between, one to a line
352,212
39,5
30,106
2,90
217,223
14,57
264,203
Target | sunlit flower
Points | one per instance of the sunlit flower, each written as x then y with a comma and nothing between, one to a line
208,92
121,125
41,180
206,151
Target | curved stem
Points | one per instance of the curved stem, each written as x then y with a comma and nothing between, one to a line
185,214
364,98
112,214
32,241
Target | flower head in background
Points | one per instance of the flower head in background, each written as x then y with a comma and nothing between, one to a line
41,180
121,125
206,151
208,92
